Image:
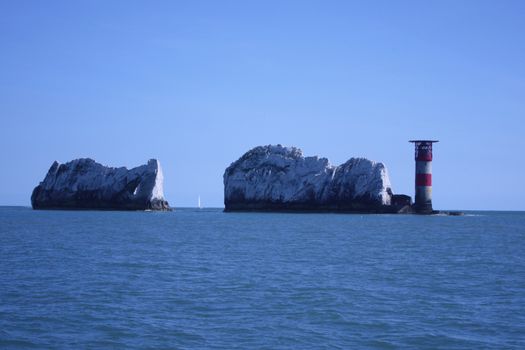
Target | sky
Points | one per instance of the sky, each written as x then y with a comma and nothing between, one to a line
196,84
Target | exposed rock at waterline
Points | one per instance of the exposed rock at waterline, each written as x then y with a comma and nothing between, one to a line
86,184
277,178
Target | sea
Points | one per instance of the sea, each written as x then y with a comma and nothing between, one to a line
205,279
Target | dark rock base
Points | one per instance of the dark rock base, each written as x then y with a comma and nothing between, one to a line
358,208
102,207
314,208
87,201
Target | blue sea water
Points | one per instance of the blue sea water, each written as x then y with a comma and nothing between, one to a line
204,279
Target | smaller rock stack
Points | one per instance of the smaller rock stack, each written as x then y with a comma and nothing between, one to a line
86,184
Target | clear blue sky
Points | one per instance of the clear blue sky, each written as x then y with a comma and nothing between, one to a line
197,83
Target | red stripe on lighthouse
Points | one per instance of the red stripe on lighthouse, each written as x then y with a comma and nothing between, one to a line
424,155
423,179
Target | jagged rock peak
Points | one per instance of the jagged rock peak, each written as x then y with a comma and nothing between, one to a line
85,184
274,177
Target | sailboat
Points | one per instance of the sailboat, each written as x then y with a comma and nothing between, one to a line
199,203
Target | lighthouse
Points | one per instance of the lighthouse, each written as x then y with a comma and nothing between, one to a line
423,157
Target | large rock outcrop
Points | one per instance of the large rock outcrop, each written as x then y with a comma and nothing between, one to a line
86,184
277,178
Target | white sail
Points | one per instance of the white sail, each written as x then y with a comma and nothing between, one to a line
199,203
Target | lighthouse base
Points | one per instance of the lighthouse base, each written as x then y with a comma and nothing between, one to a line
425,208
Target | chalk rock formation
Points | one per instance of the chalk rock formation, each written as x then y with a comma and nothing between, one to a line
86,184
277,178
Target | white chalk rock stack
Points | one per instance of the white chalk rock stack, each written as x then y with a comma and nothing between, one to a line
277,178
86,184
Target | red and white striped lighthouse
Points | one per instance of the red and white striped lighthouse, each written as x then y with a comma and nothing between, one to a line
423,156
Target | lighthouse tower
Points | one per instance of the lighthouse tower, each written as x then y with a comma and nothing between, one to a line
423,156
